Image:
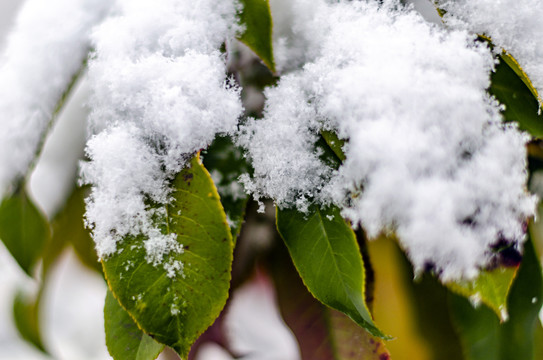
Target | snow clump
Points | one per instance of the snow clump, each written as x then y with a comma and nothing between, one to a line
427,156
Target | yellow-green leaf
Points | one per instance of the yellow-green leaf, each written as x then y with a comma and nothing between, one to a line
490,288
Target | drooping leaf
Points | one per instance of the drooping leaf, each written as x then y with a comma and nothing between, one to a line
176,308
324,250
257,19
225,163
482,335
124,340
26,316
490,287
23,229
322,333
521,104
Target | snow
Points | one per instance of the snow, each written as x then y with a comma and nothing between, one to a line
428,156
160,94
513,26
46,48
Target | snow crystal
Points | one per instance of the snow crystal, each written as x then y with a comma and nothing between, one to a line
427,155
46,48
161,93
514,26
174,268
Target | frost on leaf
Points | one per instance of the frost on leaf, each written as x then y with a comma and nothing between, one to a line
160,94
44,51
428,155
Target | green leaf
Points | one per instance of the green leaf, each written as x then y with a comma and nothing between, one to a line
26,316
521,102
175,310
335,143
482,335
124,340
225,163
322,333
23,229
68,228
490,288
324,250
257,19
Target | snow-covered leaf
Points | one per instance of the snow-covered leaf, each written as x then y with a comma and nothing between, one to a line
176,298
23,229
256,17
324,250
124,340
